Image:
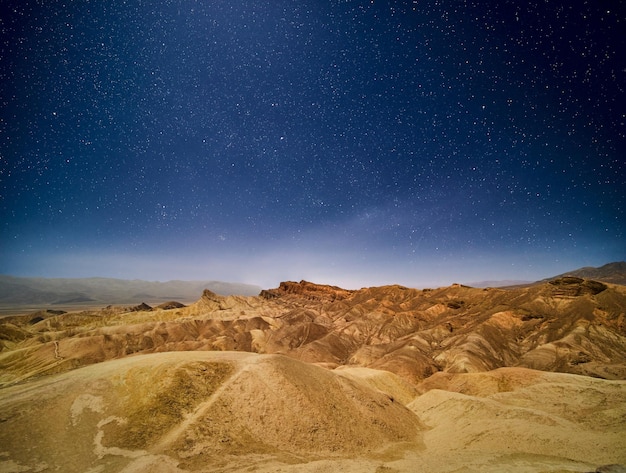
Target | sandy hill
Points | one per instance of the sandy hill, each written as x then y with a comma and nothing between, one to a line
307,377
186,410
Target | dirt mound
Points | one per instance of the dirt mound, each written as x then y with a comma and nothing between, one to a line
392,385
11,335
510,414
195,411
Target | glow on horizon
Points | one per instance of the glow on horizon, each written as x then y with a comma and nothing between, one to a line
347,269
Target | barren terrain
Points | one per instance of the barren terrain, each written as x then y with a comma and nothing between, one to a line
317,378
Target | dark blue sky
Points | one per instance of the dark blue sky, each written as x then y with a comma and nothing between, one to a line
345,142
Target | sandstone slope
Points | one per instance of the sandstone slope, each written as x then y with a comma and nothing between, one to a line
311,378
567,325
196,411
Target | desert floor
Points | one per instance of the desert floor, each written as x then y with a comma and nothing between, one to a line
234,411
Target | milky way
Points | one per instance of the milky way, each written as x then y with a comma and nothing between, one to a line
348,142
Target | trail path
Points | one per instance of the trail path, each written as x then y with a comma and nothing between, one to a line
170,437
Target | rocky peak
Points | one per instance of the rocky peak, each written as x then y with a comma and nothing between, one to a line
210,296
307,290
571,286
143,307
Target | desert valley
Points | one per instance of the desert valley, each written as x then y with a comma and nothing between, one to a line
315,378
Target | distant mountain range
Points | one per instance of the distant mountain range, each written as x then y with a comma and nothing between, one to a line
17,291
41,292
499,283
614,273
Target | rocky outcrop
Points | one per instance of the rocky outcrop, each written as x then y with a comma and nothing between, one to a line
171,305
143,307
308,290
570,286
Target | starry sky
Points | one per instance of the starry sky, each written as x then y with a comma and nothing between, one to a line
347,142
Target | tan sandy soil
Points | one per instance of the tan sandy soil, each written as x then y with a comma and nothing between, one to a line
226,411
199,410
311,378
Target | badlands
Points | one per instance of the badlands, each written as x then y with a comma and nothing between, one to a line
314,378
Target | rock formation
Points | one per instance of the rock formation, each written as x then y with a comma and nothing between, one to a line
304,374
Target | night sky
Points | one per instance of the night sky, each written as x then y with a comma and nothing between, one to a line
353,143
